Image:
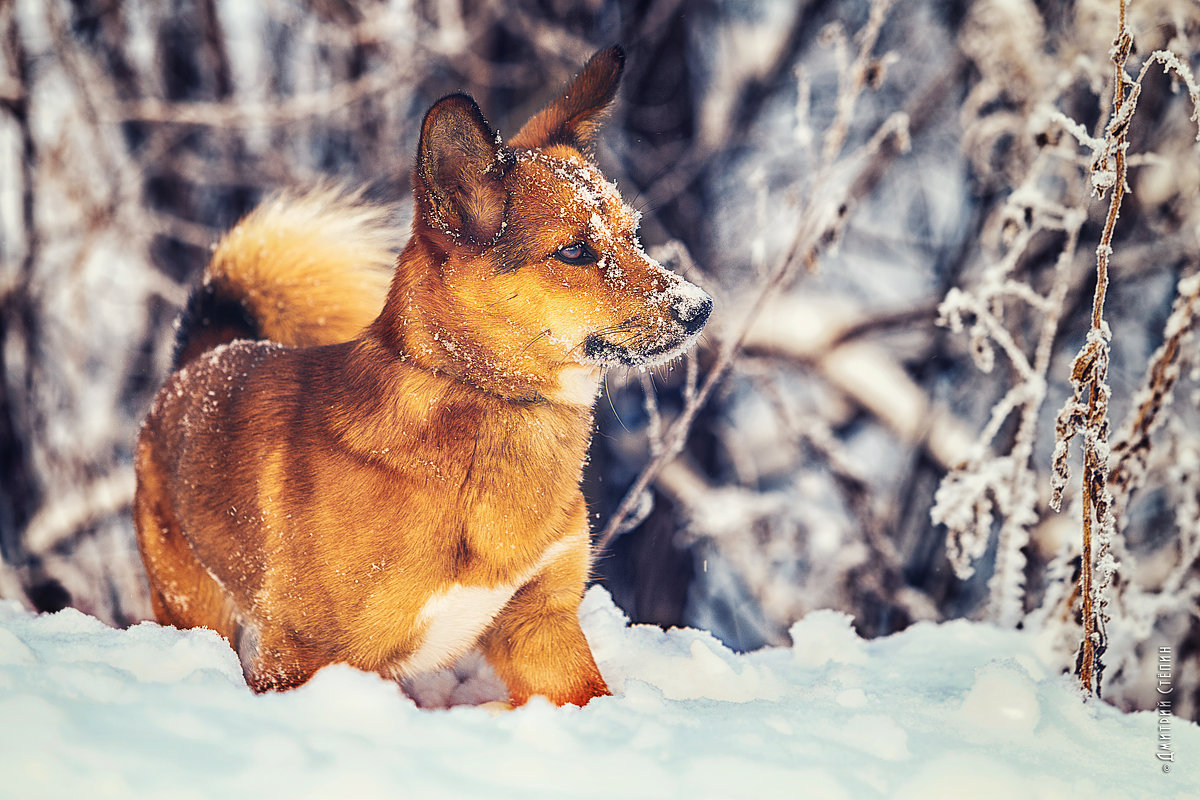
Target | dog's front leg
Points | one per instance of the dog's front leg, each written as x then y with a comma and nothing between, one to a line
535,643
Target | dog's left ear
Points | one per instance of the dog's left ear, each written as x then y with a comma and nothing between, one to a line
459,162
574,118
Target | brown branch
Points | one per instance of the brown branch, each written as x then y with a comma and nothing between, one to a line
293,109
814,234
1131,449
1095,471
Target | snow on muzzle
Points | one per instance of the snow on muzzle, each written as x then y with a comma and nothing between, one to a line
649,339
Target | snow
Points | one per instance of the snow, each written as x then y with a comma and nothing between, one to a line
940,710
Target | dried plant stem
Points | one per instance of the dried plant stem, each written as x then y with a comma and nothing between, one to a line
809,242
1132,447
1094,360
815,232
1087,667
292,109
1008,595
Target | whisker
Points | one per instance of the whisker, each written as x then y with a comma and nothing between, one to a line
576,347
634,337
650,183
618,328
621,327
534,339
608,395
654,429
502,300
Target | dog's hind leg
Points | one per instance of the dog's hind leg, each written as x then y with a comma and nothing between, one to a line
182,592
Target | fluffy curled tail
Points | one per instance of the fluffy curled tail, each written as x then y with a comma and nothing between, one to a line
300,270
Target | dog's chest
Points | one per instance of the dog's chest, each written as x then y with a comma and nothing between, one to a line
455,616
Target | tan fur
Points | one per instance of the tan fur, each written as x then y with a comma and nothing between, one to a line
325,249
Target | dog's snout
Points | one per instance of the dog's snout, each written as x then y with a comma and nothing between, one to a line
692,310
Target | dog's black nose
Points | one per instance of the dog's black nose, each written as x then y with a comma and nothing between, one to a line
692,309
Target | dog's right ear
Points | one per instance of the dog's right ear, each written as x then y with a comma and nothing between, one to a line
460,162
574,118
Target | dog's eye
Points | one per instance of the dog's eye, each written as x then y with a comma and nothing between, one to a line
576,254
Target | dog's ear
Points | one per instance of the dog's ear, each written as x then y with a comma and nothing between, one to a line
460,164
574,118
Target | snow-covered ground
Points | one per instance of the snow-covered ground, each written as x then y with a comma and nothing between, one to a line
952,710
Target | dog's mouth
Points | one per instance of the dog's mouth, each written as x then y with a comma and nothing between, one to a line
649,341
605,353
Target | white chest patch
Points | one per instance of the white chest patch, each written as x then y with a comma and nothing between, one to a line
578,385
456,616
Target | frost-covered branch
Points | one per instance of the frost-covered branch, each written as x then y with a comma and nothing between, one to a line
820,221
1131,449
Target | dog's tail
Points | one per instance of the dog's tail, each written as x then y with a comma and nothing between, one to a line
300,270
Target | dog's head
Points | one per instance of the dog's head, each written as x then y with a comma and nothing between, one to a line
540,263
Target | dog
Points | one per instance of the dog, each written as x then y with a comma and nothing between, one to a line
385,473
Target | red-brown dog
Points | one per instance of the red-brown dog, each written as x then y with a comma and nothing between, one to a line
323,481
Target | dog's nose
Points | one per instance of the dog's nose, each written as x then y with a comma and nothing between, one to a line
692,309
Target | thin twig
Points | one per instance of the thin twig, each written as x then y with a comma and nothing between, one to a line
1096,501
814,233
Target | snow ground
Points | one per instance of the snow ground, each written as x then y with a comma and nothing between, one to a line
958,709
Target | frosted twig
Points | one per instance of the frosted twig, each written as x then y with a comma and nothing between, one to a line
64,516
292,109
810,239
1089,376
1173,63
972,496
650,403
950,314
1132,447
852,78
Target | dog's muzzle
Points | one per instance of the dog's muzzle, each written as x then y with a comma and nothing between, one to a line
658,341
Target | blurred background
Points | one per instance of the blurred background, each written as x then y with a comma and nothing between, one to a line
885,198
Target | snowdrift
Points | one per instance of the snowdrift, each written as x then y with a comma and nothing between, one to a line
955,709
